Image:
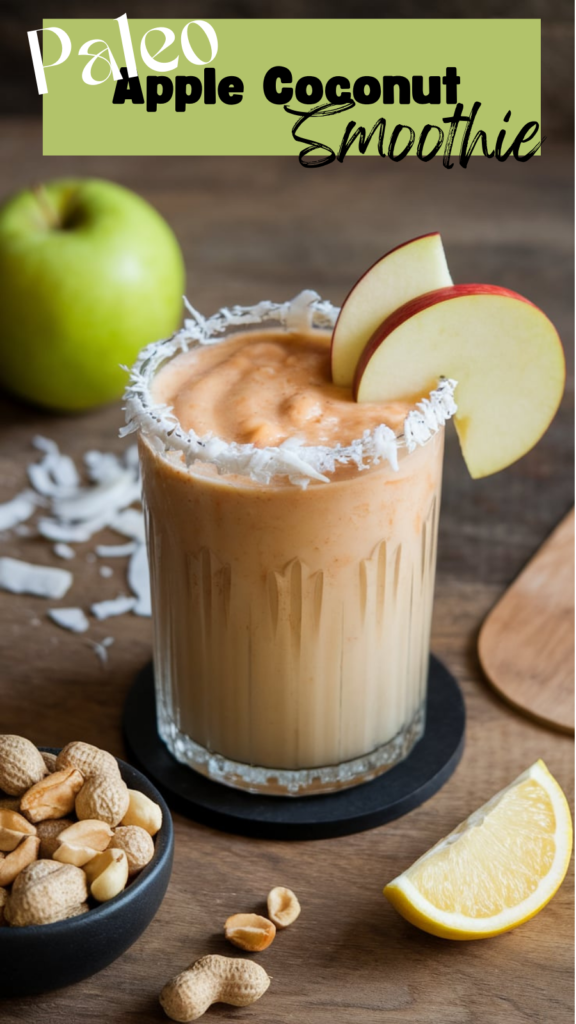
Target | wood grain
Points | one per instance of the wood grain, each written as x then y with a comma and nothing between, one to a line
266,228
526,645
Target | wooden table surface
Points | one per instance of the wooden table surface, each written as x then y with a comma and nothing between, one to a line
254,228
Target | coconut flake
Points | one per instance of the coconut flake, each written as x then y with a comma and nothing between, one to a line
102,467
299,462
101,649
41,580
44,444
73,619
75,513
64,551
139,581
73,533
117,606
40,479
78,512
129,523
54,476
430,414
17,510
300,311
64,472
23,530
115,550
131,460
103,499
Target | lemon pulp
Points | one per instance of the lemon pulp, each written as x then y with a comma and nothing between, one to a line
495,870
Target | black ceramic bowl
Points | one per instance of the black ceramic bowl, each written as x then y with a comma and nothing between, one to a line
42,957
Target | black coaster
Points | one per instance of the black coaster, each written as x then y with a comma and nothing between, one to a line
393,794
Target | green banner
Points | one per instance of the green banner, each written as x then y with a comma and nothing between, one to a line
317,89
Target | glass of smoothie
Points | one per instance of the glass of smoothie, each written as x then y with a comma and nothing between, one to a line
292,545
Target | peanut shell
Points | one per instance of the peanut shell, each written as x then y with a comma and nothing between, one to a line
32,874
104,797
21,765
10,803
49,760
46,892
72,912
137,844
48,832
87,759
213,979
283,906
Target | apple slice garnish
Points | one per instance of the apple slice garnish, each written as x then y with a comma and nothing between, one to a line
502,350
411,269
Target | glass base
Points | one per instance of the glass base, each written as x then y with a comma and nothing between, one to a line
288,782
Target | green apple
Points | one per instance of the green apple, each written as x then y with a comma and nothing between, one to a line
89,273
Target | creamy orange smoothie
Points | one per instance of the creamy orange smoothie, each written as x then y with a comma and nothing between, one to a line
291,615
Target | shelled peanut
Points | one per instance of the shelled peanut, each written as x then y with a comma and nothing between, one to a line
70,831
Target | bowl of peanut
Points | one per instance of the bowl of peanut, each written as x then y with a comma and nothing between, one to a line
86,850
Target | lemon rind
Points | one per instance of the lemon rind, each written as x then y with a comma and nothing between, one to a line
410,903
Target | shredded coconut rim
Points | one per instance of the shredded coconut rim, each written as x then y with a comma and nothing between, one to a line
293,459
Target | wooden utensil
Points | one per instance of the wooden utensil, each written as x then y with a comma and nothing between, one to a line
526,645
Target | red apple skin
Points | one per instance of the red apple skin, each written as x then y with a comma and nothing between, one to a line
418,238
417,305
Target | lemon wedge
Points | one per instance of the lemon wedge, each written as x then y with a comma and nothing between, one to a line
495,870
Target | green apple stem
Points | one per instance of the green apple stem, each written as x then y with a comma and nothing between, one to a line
47,206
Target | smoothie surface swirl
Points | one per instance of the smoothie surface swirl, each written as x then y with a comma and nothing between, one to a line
263,387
